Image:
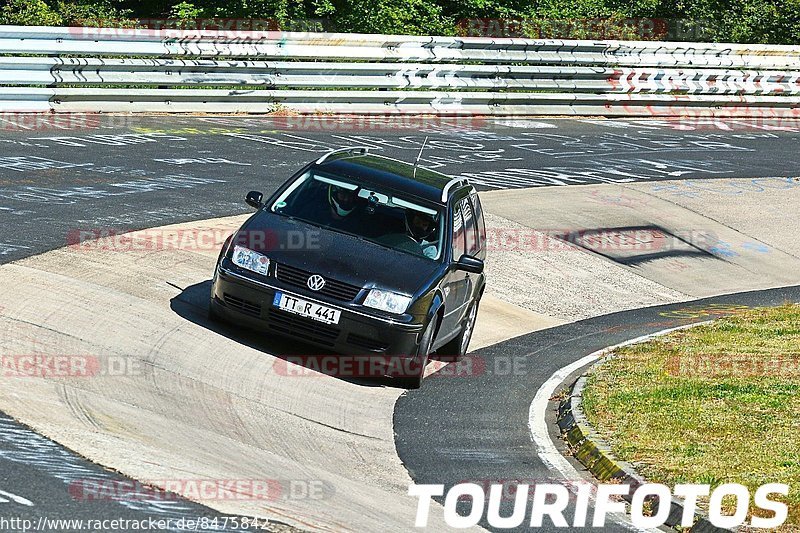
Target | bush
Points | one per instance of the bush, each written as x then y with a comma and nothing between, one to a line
409,17
745,21
30,13
185,11
93,13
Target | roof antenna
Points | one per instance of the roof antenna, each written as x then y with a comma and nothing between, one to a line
419,155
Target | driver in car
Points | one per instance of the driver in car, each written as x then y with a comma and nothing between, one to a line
421,227
345,212
333,207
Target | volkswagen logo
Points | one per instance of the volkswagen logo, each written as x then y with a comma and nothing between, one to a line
316,282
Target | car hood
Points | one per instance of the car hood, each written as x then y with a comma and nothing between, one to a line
336,255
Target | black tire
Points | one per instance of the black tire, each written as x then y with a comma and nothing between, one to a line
414,381
457,348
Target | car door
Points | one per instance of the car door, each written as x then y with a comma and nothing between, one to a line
475,233
456,282
480,225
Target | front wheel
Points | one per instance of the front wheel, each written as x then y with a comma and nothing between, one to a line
412,376
457,348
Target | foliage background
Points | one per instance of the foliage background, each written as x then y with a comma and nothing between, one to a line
744,21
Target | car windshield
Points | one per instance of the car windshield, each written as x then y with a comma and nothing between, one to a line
344,205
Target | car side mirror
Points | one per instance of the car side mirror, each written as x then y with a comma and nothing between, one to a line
469,263
254,198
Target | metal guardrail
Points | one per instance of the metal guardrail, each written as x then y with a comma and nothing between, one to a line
353,73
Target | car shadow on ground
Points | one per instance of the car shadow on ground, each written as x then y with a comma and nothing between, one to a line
192,305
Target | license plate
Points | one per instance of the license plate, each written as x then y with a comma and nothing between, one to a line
307,309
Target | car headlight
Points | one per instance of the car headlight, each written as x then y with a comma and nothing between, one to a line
250,260
387,301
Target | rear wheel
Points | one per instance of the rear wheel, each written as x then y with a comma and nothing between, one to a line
412,376
458,347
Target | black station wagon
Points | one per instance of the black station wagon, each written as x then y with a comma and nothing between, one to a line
362,255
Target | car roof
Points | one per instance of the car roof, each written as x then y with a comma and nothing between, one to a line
385,172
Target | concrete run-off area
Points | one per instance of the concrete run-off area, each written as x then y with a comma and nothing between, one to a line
187,399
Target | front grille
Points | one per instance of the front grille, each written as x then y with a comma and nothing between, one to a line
297,326
299,277
367,343
245,306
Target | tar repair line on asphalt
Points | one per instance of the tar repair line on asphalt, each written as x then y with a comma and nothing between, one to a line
540,435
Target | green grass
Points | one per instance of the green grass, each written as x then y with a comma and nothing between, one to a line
718,403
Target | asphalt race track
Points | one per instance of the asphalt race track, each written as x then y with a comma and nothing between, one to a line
481,417
52,479
127,173
135,172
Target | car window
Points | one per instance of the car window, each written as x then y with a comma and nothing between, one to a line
470,227
344,205
481,224
459,247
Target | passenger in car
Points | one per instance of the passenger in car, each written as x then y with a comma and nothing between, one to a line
422,228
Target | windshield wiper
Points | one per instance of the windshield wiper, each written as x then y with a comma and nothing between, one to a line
303,220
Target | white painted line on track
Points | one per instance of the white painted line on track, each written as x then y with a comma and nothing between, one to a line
545,447
5,497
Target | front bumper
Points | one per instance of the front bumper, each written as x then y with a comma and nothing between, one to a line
247,301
